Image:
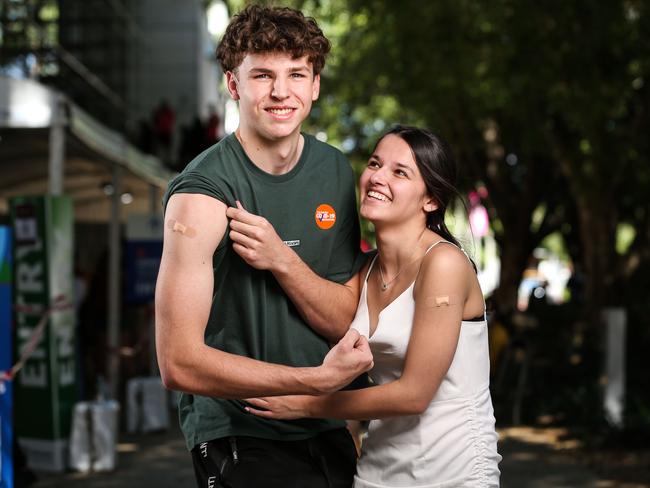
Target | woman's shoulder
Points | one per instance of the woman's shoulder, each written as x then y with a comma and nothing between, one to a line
440,250
444,262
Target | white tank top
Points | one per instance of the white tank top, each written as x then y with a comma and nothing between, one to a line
453,443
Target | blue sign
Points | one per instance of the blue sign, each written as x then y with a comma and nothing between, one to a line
6,342
142,259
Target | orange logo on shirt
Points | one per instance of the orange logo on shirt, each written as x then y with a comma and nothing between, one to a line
325,216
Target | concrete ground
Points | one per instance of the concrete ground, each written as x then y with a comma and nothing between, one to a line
547,458
155,459
532,458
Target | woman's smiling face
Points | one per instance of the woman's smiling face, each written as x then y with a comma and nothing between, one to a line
391,186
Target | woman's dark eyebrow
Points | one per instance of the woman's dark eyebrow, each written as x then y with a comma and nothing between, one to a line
404,167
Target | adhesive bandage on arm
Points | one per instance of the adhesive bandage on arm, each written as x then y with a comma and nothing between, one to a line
440,300
182,229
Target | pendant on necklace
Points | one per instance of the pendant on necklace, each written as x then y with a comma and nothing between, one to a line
384,286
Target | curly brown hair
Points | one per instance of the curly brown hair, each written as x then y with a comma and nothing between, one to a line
258,29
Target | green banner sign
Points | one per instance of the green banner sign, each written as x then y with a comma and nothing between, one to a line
43,291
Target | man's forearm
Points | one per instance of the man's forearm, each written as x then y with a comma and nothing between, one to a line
215,373
203,370
328,307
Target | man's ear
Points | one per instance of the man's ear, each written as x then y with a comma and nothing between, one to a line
315,90
232,85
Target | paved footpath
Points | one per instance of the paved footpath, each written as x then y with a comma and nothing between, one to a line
546,458
536,465
531,459
155,459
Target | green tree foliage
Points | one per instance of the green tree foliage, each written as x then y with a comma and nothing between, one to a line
449,66
28,28
545,105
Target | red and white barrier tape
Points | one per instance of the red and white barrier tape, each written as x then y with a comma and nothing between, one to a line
60,303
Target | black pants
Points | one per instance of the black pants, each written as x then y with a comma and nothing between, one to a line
325,461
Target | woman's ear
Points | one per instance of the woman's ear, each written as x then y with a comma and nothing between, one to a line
430,205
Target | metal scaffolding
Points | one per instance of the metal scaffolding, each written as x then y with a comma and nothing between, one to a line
79,47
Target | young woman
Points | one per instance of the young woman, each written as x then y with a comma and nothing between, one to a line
421,306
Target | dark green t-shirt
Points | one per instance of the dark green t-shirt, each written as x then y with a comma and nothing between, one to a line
313,209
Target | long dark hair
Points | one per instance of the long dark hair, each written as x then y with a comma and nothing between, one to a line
438,168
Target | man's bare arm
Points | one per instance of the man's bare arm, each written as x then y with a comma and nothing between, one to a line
194,225
328,307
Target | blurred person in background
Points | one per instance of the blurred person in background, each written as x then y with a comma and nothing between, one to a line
164,120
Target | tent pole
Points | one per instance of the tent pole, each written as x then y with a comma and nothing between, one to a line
57,147
114,285
154,211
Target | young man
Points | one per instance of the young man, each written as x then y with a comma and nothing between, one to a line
251,311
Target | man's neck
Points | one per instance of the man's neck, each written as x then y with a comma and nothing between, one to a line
274,157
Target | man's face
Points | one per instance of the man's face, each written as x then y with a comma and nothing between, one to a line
275,94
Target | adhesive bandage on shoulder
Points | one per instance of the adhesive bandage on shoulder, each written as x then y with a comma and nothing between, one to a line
440,300
182,229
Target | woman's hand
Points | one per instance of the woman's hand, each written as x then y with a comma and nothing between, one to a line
280,407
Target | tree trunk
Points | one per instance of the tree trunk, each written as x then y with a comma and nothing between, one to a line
514,257
597,219
597,215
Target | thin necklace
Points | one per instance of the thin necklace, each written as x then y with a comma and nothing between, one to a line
385,284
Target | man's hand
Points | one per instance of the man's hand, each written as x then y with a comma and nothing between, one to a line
256,241
345,361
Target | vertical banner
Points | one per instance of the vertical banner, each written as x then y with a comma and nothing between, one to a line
44,389
142,254
6,341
